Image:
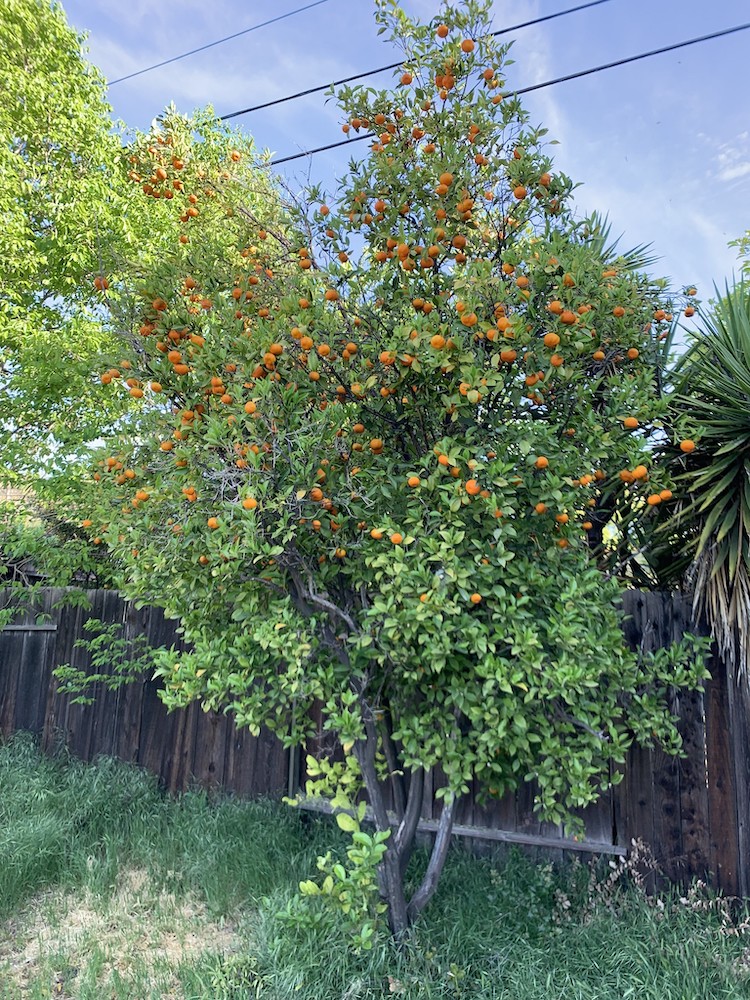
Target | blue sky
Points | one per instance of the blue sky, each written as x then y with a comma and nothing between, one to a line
662,146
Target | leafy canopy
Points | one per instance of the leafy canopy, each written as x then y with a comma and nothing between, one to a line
57,160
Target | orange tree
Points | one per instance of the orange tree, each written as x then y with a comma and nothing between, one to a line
368,453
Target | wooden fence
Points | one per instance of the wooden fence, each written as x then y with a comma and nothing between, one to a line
694,812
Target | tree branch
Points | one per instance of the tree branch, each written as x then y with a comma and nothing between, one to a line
579,724
407,828
395,773
426,890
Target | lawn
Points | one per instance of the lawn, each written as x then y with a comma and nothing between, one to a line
110,889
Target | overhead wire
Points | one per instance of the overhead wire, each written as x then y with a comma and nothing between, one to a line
382,69
540,86
218,41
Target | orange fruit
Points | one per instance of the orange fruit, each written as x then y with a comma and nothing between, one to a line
397,538
467,45
542,462
687,446
630,423
540,508
249,503
413,481
213,523
476,598
472,487
376,533
551,340
442,31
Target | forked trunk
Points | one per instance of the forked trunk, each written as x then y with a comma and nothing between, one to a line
392,869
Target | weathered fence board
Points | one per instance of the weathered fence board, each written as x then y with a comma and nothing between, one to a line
692,811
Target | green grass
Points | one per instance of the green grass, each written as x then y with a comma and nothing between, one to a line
109,888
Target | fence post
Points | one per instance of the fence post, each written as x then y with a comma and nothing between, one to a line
739,725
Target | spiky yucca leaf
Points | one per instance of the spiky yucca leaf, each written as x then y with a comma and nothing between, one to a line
713,393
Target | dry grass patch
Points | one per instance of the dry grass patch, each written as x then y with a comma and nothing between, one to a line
129,942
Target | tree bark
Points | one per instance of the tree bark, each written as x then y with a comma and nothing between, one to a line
407,828
396,776
426,891
389,870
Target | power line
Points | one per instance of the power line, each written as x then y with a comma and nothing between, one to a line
219,41
382,69
546,83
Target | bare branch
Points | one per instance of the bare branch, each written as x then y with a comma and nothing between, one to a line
409,824
426,890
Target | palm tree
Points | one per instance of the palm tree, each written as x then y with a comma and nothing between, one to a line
712,402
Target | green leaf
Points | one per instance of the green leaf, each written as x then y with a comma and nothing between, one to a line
346,822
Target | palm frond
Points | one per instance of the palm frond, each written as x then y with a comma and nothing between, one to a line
599,232
723,597
712,390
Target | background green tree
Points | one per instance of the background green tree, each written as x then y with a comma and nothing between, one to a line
74,232
58,198
72,227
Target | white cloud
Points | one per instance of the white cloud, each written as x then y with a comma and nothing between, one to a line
733,158
732,173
